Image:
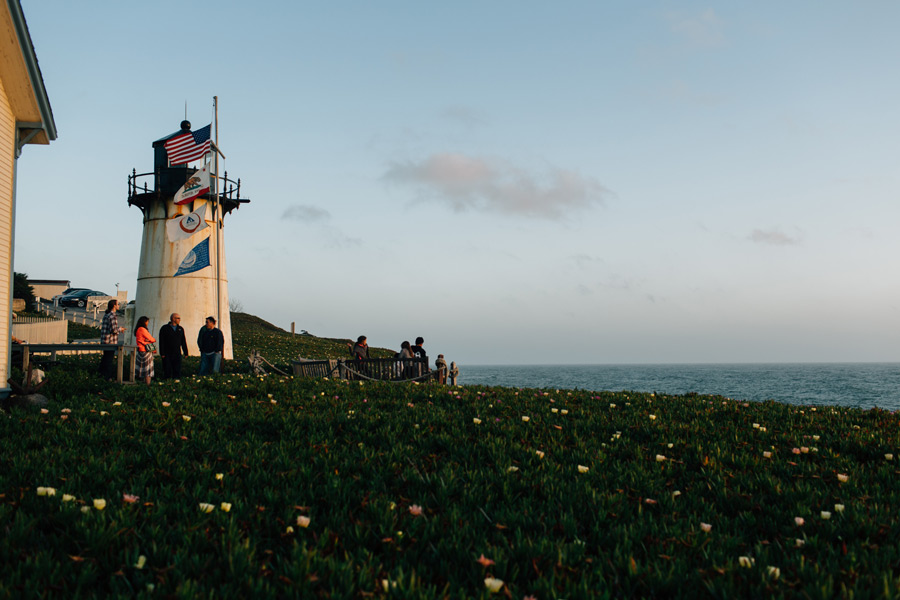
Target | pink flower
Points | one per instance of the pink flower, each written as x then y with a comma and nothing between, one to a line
484,561
799,521
795,450
415,510
129,498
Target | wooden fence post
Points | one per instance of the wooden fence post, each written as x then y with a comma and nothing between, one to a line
120,367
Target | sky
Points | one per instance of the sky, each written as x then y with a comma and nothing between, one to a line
518,182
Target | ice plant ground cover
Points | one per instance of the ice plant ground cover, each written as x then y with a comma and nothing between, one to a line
280,487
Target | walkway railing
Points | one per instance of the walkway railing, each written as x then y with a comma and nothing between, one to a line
30,349
92,317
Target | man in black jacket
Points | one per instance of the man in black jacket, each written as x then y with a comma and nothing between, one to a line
212,343
171,345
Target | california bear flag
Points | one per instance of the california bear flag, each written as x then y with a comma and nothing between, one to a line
196,185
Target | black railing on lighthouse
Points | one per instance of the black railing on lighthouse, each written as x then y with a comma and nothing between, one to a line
140,192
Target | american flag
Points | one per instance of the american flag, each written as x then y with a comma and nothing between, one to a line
189,146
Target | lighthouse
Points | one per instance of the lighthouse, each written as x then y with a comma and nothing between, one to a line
184,202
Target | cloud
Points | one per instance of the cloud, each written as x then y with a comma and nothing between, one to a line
468,183
463,114
704,29
583,261
773,237
304,212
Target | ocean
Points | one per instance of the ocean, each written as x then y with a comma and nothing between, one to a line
862,385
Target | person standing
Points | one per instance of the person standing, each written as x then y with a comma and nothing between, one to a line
172,344
419,352
359,350
440,366
212,343
143,368
109,334
404,368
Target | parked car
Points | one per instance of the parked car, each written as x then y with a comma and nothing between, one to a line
81,298
68,292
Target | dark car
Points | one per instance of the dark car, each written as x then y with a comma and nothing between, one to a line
81,298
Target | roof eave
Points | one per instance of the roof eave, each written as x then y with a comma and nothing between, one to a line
34,70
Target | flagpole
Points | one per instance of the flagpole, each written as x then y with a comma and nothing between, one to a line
216,217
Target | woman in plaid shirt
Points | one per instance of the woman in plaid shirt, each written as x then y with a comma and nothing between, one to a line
109,334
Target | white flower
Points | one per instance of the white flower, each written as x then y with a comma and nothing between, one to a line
652,417
583,469
767,454
660,458
493,585
564,412
303,521
539,453
804,449
206,507
289,529
676,493
554,410
141,561
526,419
816,438
774,572
889,457
843,478
512,469
670,445
46,491
225,507
763,429
185,417
799,543
745,561
825,515
705,527
477,421
117,404
220,476
838,508
756,426
612,405
85,509
99,503
68,498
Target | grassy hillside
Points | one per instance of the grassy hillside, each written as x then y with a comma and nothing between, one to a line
236,486
279,347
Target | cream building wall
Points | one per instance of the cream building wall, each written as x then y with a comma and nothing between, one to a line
25,118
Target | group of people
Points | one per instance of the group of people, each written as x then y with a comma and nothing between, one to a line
172,345
360,351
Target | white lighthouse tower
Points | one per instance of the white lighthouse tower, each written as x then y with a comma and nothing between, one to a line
182,264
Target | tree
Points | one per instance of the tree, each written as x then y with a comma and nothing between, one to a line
22,289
